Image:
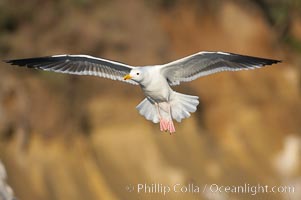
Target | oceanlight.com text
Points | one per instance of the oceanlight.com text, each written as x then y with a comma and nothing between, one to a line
252,189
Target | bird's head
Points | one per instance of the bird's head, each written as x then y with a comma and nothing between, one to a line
135,75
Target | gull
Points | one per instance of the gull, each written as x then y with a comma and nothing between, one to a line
162,104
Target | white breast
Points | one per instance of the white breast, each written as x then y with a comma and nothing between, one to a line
156,87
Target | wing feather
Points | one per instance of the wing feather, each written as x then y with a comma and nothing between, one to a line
205,63
79,65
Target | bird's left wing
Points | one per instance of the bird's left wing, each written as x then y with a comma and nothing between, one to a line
79,65
205,63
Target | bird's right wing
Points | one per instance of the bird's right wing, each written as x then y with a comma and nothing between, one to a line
79,65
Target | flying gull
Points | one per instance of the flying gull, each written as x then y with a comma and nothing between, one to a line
162,104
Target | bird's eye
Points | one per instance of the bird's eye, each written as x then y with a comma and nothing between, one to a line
138,73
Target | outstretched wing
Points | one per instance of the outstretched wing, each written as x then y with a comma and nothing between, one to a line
205,63
79,65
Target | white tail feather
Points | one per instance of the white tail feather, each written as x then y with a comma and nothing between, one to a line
181,106
147,109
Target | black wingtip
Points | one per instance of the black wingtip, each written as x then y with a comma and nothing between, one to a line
22,62
271,61
12,62
277,61
274,62
264,61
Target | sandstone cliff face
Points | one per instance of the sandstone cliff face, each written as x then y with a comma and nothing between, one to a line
69,137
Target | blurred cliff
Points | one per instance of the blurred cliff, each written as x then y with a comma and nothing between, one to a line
70,137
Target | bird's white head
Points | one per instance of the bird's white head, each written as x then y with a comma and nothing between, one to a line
135,75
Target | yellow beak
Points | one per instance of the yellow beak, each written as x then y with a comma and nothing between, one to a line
126,77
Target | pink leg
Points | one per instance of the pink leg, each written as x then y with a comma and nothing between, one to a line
171,126
160,118
166,125
163,125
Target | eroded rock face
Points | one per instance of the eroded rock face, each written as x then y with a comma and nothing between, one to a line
80,138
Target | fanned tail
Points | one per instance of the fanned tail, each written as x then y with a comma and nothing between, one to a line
182,105
179,107
148,109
